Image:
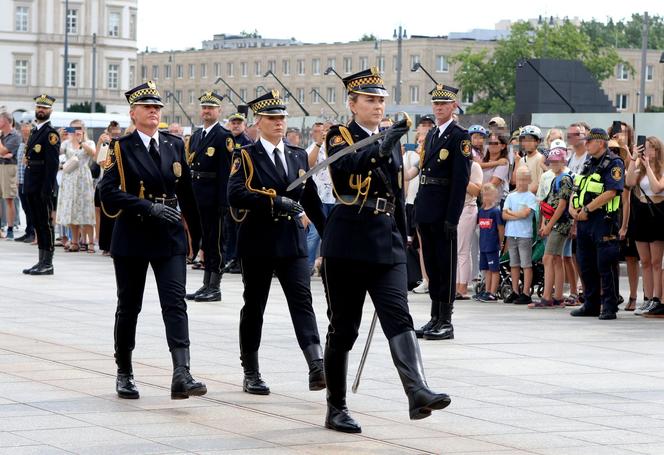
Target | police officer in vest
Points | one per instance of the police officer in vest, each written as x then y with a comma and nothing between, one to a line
596,206
41,167
444,175
146,184
210,156
272,238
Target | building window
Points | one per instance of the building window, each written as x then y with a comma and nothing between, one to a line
192,71
21,72
332,63
217,69
144,72
132,75
315,99
285,67
21,24
72,21
649,101
414,94
132,25
203,70
468,98
364,63
348,65
315,67
244,69
114,20
380,63
178,119
257,68
155,72
300,95
191,97
442,64
113,76
621,101
230,69
300,67
331,95
72,75
414,59
167,71
622,72
179,71
243,93
178,95
272,65
649,72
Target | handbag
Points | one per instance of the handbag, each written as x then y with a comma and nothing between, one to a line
71,165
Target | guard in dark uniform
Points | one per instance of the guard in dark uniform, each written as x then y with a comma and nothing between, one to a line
210,155
595,205
364,252
444,174
146,186
41,167
272,238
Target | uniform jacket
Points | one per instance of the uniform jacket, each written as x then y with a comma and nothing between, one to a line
263,232
358,233
446,156
131,181
43,150
211,155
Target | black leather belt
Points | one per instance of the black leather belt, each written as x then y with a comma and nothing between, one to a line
172,202
203,175
378,205
35,162
426,180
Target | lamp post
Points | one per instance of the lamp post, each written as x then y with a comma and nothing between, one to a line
399,37
64,97
269,72
332,70
220,79
418,66
336,114
93,98
191,122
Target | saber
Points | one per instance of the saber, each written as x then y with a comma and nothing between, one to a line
363,360
345,151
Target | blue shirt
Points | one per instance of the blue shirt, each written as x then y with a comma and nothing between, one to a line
516,201
488,221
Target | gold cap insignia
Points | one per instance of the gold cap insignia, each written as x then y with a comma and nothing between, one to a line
443,154
152,85
229,144
210,151
275,93
53,138
177,169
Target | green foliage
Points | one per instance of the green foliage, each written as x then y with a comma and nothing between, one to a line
86,107
492,76
370,37
626,34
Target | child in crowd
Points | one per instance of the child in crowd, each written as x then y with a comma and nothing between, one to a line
555,225
492,231
518,212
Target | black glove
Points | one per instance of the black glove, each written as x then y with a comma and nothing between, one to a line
286,204
449,230
391,138
165,213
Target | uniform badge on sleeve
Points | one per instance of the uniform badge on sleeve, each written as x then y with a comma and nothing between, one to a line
337,140
177,169
443,154
616,173
37,148
53,138
236,165
229,144
465,148
210,151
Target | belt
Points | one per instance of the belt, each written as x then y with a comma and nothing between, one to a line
172,202
379,205
35,162
203,175
426,180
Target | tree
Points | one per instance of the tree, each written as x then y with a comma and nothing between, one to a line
370,37
86,107
492,77
626,34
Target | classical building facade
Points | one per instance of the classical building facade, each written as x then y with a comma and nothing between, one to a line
32,36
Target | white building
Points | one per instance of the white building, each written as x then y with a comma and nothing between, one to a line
32,36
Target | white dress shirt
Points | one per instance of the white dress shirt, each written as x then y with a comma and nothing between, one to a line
146,139
444,126
269,148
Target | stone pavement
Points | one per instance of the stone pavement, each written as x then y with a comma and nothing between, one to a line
522,381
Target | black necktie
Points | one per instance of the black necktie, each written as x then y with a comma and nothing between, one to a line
204,134
154,153
279,165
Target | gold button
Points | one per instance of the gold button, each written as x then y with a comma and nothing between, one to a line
373,160
375,212
369,173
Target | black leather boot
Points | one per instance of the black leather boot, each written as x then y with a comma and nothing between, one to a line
41,258
408,360
206,282
46,266
314,356
124,383
213,292
435,309
338,418
443,330
183,385
252,382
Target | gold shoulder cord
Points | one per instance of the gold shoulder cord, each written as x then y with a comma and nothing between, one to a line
248,168
123,186
421,153
355,180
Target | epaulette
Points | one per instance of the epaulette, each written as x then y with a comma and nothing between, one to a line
171,135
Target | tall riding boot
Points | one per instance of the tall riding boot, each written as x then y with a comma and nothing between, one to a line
314,356
443,330
435,313
213,292
252,382
41,258
202,289
183,385
336,368
408,360
46,267
124,383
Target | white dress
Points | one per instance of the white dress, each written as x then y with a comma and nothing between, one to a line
76,193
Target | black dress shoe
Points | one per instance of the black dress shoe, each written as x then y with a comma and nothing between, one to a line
607,316
426,327
21,238
254,385
584,311
340,420
202,289
213,291
126,387
183,385
443,330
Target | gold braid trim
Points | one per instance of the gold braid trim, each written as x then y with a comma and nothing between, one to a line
421,153
123,185
248,169
362,186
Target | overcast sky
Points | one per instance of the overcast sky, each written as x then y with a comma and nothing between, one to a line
179,25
